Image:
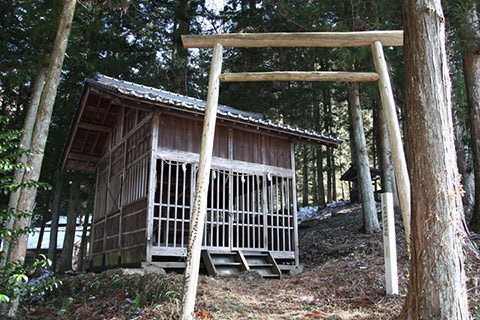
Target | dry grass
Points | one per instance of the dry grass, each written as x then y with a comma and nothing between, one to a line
343,279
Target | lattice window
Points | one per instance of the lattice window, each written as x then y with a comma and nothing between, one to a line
172,204
244,211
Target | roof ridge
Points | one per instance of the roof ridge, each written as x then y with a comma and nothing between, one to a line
160,95
146,87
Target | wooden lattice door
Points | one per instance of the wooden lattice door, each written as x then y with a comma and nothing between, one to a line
248,229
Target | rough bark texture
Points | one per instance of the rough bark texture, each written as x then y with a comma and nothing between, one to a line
353,186
329,175
327,104
385,156
317,151
464,161
370,218
314,177
333,176
27,196
436,288
52,245
179,64
305,176
403,119
26,140
28,125
42,229
321,188
68,241
83,244
471,64
471,70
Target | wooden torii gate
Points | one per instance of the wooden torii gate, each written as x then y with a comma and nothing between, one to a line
375,39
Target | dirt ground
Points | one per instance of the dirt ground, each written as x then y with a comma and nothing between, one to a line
343,278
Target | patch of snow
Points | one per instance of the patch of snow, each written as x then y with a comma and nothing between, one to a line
33,237
35,284
305,213
311,212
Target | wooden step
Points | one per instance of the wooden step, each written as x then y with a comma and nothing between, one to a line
271,276
228,262
255,254
220,253
223,263
255,265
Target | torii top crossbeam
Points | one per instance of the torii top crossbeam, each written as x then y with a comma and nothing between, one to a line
295,39
303,39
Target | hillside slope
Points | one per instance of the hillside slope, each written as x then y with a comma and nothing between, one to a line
343,278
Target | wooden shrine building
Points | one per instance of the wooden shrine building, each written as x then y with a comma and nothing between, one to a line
351,177
144,143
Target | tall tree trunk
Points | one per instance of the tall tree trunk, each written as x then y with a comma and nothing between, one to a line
329,175
179,66
403,119
314,177
387,177
52,245
370,218
471,64
464,161
333,175
321,189
26,200
327,117
471,71
374,138
83,243
352,185
317,152
436,289
68,241
375,143
26,140
305,177
42,227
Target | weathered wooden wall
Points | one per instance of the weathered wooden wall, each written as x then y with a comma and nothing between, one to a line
184,134
119,229
256,148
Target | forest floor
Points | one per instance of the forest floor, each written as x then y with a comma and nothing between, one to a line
343,278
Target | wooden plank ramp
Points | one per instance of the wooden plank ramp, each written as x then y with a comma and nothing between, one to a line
225,263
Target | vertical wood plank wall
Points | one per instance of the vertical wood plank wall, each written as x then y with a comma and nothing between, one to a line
184,134
119,226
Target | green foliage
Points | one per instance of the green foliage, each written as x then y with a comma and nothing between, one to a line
476,312
466,28
14,278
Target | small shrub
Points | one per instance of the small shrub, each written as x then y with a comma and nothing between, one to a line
14,278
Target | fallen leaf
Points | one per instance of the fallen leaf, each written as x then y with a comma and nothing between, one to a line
202,314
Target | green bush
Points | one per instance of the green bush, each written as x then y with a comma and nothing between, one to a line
14,278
